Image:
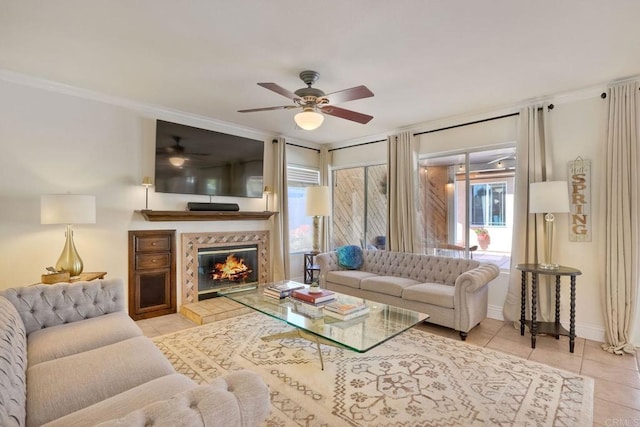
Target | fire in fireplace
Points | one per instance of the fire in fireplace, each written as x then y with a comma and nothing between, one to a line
226,268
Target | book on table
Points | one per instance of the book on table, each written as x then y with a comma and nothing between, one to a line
313,297
345,307
282,289
362,312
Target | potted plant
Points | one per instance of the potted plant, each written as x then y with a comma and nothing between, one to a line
483,238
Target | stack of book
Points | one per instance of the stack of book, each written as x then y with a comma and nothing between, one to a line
317,297
280,290
345,311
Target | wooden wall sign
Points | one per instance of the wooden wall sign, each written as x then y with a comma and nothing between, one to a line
580,219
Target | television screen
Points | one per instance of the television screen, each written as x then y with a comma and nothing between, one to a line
197,161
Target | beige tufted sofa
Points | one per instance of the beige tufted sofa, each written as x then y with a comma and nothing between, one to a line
452,291
71,356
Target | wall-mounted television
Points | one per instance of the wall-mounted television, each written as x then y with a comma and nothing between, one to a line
190,160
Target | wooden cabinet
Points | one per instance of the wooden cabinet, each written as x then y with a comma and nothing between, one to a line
152,273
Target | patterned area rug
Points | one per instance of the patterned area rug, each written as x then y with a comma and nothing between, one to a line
414,379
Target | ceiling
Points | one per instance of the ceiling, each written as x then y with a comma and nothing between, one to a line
423,59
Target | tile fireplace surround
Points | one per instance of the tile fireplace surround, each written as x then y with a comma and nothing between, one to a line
191,242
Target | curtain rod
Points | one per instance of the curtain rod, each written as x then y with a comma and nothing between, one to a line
275,141
549,108
358,145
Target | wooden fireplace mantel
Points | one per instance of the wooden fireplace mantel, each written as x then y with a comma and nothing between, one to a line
151,215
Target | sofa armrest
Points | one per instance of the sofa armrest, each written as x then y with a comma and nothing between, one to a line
327,261
472,280
43,306
236,399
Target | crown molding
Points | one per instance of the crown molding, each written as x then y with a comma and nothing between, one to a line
146,110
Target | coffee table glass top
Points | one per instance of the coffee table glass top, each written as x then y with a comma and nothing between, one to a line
360,334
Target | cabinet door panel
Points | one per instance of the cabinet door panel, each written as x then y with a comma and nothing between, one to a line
153,290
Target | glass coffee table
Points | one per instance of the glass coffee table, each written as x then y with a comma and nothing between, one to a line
360,334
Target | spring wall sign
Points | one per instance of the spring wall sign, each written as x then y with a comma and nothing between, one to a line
580,219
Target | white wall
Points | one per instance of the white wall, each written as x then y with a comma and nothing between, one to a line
57,143
577,128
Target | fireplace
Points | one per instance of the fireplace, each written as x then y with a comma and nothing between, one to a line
226,268
201,252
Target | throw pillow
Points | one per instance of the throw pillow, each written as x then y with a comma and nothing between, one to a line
349,257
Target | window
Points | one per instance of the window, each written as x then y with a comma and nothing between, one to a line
488,204
360,206
300,225
467,204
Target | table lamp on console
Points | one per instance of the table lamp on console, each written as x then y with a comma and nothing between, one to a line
547,198
318,204
68,209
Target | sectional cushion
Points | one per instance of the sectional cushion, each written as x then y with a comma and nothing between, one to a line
76,337
389,285
131,400
349,278
89,377
431,293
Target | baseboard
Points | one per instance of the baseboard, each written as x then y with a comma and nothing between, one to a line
589,331
495,312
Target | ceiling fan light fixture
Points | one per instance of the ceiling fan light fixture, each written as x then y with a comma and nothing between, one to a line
177,161
309,119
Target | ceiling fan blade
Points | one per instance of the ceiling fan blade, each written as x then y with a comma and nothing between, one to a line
281,107
354,93
346,114
279,90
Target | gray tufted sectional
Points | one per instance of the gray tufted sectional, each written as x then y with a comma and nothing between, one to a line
71,356
452,291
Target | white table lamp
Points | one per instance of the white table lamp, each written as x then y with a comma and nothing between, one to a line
68,209
549,197
318,204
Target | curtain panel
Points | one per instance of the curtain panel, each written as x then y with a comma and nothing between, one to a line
280,234
403,232
325,180
620,211
533,164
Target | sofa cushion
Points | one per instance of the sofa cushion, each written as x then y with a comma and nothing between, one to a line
389,285
236,399
89,377
131,400
349,257
13,366
43,306
76,337
430,293
349,278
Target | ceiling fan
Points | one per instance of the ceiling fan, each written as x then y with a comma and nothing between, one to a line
313,101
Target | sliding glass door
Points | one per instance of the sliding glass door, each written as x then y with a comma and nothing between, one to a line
467,204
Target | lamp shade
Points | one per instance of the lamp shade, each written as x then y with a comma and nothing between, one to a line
147,182
549,197
318,201
67,209
309,119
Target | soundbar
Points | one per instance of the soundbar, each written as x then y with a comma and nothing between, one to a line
226,207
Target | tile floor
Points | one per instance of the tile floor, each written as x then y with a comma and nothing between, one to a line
617,378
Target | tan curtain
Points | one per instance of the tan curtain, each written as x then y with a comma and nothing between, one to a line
620,192
325,179
403,234
532,165
280,235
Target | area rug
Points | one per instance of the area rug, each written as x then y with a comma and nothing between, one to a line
414,379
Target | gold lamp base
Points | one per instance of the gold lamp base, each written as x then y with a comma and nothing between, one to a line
69,260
